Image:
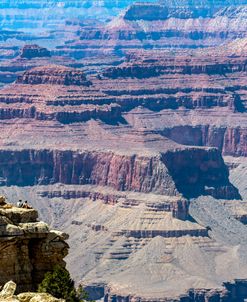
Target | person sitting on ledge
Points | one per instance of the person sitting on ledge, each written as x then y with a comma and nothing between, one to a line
19,204
26,205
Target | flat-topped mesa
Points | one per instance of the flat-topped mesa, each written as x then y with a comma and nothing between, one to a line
28,248
178,9
34,51
146,11
175,9
54,75
155,12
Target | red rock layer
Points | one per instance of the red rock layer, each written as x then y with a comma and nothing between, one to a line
55,75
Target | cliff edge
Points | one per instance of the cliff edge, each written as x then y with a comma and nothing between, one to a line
29,249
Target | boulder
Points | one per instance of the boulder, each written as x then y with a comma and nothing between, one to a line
8,290
8,294
37,297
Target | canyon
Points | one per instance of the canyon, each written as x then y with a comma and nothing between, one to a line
129,133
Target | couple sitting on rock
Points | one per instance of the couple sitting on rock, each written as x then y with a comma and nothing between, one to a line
23,205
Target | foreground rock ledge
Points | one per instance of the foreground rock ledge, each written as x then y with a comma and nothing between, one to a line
8,294
28,248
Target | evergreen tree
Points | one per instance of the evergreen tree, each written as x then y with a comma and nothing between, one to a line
60,285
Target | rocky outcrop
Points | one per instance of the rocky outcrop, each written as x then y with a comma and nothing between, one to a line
28,248
8,294
34,51
55,75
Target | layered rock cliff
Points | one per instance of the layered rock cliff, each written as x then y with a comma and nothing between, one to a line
54,75
28,248
34,51
123,173
180,9
124,88
160,26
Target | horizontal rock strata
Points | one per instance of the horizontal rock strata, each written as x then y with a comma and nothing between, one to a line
56,75
29,248
206,169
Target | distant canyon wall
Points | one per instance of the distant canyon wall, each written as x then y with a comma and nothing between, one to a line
170,173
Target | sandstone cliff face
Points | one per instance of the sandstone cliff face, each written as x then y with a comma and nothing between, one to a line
107,169
194,177
230,141
190,66
179,9
170,9
28,248
170,173
56,75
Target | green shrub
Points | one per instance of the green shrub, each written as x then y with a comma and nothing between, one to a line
60,285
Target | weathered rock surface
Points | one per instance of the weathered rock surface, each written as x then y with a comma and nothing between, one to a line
28,249
177,172
161,25
8,294
54,75
34,51
15,60
8,290
124,199
180,95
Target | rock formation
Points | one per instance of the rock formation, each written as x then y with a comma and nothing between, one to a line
168,24
34,51
15,61
28,248
57,75
29,15
8,294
